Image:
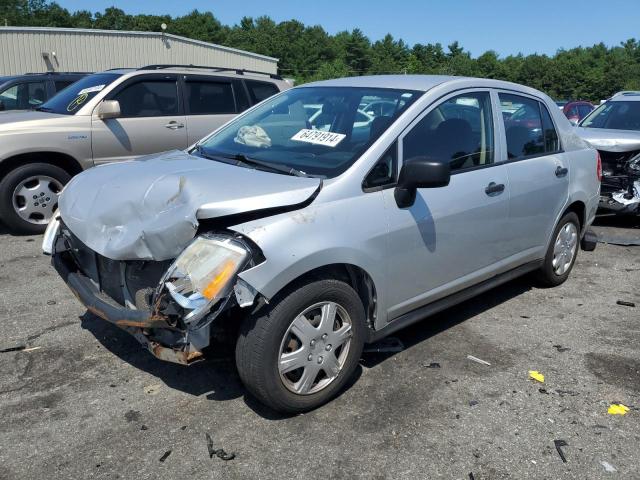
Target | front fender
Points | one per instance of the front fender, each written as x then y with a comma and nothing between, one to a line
350,231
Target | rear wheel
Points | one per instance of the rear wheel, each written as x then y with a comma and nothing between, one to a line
562,252
29,196
301,352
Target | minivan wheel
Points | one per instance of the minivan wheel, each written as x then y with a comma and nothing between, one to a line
299,353
29,196
562,252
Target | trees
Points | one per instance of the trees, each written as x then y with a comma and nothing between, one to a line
310,53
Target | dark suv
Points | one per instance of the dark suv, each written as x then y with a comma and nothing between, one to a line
24,92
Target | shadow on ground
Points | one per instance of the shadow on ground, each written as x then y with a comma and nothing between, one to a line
217,377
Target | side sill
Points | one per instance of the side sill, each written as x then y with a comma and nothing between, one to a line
432,308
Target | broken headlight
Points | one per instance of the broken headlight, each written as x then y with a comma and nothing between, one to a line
202,274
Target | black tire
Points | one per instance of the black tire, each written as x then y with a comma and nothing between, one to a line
8,214
258,348
547,275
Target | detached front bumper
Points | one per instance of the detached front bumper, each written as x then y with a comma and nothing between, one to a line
140,323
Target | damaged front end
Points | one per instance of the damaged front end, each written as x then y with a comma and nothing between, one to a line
620,190
168,306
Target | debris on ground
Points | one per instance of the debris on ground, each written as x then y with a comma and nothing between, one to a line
562,393
17,348
617,409
543,390
165,455
51,302
478,360
432,365
537,376
473,403
561,349
559,444
608,467
624,303
220,453
152,389
471,477
386,345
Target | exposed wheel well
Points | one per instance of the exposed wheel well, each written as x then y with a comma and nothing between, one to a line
579,208
353,275
57,159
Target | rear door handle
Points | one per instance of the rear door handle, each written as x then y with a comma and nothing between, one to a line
494,188
561,171
174,125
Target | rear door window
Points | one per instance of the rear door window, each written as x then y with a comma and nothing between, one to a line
260,91
551,140
24,96
523,127
209,97
149,98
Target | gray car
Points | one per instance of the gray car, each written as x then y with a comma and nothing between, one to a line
112,116
315,237
614,129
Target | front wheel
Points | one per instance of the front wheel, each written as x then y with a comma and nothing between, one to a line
562,252
298,354
29,196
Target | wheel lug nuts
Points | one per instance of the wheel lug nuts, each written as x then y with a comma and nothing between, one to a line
313,342
35,196
42,194
319,359
328,348
324,337
310,357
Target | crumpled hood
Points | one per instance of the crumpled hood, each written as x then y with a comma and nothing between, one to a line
610,140
148,209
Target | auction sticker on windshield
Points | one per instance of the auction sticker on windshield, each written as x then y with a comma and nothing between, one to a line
318,137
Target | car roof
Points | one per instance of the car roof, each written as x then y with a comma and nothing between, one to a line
203,71
418,82
626,96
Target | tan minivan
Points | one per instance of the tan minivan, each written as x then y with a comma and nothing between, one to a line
111,116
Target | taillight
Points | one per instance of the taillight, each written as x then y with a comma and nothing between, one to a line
599,167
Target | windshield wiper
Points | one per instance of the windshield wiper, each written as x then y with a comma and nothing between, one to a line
240,158
44,109
276,167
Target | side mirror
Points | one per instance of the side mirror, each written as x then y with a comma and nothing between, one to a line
420,172
108,109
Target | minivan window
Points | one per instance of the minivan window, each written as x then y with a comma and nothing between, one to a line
23,96
149,98
62,84
71,99
458,131
208,98
615,115
317,130
260,91
523,128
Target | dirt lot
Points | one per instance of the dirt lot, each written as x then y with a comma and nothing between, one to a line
87,402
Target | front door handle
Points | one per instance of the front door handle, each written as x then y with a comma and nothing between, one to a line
561,171
494,188
174,125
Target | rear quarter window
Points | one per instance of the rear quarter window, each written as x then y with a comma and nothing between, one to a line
259,91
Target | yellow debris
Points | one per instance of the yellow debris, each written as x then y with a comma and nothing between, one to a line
617,409
535,375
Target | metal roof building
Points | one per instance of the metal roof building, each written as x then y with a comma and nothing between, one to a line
41,49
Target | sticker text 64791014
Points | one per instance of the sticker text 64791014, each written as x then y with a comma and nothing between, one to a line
318,137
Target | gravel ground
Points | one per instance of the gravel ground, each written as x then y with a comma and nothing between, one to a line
84,401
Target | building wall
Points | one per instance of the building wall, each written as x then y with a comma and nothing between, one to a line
79,50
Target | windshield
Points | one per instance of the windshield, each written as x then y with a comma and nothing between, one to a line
72,98
615,115
319,131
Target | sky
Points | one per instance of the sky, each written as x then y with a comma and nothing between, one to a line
506,26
